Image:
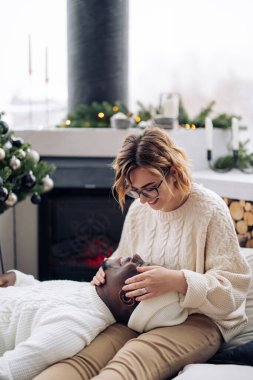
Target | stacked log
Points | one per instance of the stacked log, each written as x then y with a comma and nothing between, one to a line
242,214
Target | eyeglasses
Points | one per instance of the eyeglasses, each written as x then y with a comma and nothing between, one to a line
151,192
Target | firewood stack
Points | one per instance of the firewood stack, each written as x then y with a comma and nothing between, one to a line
242,214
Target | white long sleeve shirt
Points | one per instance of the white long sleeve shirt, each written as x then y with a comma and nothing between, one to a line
198,238
44,322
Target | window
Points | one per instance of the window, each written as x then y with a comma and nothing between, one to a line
198,48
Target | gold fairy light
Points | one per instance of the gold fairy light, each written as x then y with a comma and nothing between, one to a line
101,115
68,122
137,119
115,108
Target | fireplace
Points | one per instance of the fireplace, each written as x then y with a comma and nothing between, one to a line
80,222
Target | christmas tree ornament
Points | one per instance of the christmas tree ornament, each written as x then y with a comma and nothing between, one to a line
48,183
2,154
7,145
17,142
12,179
11,200
28,180
21,154
34,154
3,194
4,127
14,163
35,198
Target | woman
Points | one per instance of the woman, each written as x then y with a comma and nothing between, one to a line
188,233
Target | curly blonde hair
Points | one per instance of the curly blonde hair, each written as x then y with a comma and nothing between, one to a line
154,150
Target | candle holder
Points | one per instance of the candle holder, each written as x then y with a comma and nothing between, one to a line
234,165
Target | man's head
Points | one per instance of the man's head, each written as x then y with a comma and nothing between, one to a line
117,271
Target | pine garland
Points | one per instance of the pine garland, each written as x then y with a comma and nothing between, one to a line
222,120
95,115
244,161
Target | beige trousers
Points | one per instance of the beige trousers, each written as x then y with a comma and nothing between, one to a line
120,354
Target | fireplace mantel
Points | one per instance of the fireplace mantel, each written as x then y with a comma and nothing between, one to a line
105,142
21,237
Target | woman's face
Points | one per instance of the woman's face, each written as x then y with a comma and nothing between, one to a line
168,195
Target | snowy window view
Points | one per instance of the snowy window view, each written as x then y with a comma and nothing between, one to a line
33,36
201,49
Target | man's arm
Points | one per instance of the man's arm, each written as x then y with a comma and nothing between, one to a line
16,278
62,332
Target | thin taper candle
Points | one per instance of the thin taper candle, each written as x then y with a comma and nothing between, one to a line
29,55
46,64
235,134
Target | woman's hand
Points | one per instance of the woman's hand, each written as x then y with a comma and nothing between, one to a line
99,277
7,279
153,281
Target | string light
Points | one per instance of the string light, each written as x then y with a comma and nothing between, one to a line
68,122
115,108
101,115
137,119
190,126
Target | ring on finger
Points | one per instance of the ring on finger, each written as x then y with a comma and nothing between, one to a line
144,290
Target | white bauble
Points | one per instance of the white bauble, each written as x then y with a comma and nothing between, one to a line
11,200
2,154
21,154
8,145
34,154
48,183
15,163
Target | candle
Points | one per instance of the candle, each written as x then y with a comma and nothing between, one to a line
29,55
170,107
235,134
209,133
46,65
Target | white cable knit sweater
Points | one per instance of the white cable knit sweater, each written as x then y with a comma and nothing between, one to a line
44,322
198,238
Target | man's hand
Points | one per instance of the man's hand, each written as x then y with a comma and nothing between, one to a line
7,279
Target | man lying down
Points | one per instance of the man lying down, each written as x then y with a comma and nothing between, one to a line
44,322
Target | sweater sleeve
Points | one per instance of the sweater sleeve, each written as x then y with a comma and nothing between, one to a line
23,279
62,334
223,287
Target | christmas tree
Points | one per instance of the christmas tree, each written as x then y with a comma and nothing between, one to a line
22,173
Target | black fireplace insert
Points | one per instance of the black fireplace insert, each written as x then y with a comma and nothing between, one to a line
80,222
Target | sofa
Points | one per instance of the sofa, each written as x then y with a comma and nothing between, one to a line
234,361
